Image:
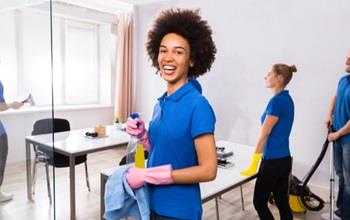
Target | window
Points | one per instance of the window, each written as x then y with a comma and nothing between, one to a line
81,58
81,75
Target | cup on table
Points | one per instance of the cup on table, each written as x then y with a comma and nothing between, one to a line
100,130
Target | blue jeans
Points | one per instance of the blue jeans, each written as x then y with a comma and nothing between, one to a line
342,169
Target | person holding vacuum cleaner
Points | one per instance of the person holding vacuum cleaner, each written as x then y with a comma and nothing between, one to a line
339,117
273,146
180,139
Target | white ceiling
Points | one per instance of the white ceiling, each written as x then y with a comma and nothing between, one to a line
106,5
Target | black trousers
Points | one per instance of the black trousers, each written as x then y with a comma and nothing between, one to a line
273,177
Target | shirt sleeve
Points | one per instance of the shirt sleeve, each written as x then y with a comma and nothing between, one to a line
203,119
274,107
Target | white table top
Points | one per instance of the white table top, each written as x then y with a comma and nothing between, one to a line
75,141
226,177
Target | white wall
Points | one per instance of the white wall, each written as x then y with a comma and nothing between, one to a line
19,124
251,36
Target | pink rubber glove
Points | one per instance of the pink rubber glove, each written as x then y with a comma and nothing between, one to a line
160,175
137,128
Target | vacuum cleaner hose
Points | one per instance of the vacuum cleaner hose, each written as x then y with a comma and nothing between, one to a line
308,199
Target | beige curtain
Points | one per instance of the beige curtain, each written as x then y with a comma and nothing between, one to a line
124,84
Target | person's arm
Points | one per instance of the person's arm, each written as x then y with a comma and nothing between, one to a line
4,106
341,132
163,175
266,129
207,163
14,105
330,112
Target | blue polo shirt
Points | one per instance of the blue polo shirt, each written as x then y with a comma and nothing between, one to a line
277,145
177,120
341,112
2,100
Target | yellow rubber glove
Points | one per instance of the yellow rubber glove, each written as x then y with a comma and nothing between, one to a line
253,165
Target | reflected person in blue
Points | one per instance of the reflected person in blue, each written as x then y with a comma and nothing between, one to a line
3,142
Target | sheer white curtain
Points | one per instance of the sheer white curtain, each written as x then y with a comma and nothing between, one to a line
124,83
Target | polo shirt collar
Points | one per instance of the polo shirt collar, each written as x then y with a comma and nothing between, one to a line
283,92
178,94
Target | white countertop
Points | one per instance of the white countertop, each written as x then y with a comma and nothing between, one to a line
75,141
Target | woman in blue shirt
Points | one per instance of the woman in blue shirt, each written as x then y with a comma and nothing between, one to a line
273,146
180,139
3,142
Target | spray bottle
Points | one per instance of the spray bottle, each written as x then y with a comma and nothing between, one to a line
29,100
135,151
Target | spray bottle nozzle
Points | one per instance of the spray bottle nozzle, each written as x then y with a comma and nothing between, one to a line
134,116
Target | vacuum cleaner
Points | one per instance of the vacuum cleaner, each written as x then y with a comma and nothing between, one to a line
301,198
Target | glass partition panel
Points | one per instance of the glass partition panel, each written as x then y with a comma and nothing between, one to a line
26,174
57,66
84,51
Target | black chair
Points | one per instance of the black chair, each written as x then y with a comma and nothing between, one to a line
47,156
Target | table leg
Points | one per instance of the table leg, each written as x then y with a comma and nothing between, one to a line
72,186
242,199
29,174
217,208
102,193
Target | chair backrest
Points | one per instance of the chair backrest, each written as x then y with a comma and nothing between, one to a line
50,125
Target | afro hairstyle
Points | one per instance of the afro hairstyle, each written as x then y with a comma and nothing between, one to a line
188,24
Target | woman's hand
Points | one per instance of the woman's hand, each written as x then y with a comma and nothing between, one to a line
160,175
137,128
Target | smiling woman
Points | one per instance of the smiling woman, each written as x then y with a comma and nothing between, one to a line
180,139
202,47
174,60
